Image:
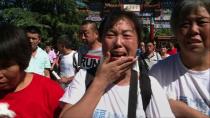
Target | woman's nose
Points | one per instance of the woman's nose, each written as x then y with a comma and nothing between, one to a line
194,28
119,40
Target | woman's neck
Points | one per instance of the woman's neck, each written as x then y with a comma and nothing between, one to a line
124,80
68,51
197,63
21,78
26,80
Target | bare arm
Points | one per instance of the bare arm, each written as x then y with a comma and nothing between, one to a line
46,73
66,80
181,110
106,74
65,107
86,106
55,63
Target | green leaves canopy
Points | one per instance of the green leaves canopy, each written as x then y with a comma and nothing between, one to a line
53,17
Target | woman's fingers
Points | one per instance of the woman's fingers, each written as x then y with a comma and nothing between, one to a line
123,62
112,71
107,57
127,64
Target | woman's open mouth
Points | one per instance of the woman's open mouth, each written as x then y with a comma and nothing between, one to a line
117,55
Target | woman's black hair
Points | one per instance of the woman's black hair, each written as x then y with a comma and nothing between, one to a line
183,8
66,41
117,15
14,46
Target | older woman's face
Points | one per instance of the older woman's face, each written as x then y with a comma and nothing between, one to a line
193,35
121,40
9,75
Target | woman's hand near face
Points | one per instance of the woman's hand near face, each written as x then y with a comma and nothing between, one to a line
109,72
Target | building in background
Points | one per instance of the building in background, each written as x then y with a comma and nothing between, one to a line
154,14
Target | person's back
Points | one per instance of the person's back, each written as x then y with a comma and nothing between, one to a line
66,68
185,76
172,50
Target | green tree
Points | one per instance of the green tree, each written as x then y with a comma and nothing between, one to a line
163,32
18,17
65,17
53,17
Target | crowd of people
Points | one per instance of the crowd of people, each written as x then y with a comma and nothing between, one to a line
114,74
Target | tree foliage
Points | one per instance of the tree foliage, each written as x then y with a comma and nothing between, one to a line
18,16
164,32
53,17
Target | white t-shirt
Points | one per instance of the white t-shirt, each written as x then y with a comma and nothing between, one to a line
114,102
180,83
66,65
153,59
